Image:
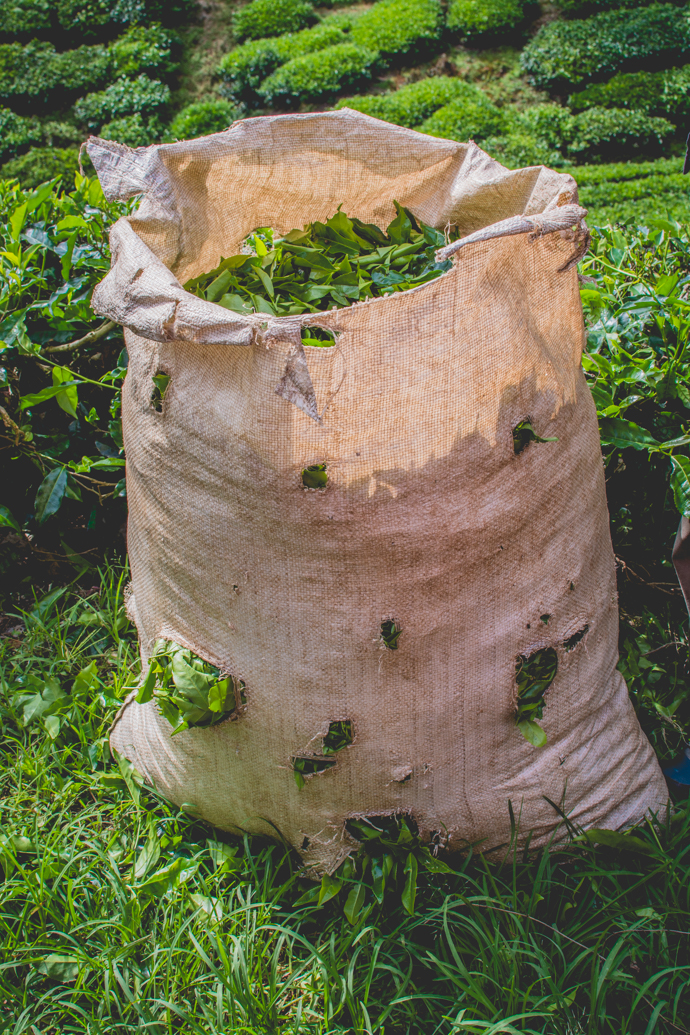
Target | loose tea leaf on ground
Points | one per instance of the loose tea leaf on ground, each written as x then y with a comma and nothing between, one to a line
324,266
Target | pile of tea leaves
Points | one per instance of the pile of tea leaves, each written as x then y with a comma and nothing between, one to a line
324,266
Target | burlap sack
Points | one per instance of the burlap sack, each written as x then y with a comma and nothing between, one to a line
429,517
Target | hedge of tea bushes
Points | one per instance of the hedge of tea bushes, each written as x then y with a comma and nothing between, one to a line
566,53
272,18
285,70
473,19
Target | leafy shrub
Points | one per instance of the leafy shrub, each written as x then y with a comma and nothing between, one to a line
41,164
601,133
657,93
549,123
24,17
143,12
634,192
202,118
478,17
134,130
533,136
563,53
470,117
585,8
142,49
17,133
410,105
319,75
262,18
244,68
85,17
142,96
518,150
398,26
35,76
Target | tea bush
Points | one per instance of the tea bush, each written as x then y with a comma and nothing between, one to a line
317,76
411,105
125,97
634,192
585,8
272,18
565,53
40,164
36,77
17,133
468,118
243,69
134,130
202,118
85,17
472,18
599,134
399,27
147,48
664,93
25,18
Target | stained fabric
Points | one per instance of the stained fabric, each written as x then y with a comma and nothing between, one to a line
429,518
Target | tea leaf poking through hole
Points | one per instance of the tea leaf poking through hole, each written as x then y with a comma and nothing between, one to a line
534,675
390,634
315,476
317,337
338,737
160,382
188,690
524,433
308,766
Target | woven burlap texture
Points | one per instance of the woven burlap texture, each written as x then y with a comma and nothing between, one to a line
429,517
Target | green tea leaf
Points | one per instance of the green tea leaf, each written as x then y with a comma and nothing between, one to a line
625,433
680,483
50,494
532,732
7,520
64,969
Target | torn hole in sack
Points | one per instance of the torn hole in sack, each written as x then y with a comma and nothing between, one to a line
318,337
397,828
534,674
390,633
190,692
524,434
315,476
161,380
340,735
572,641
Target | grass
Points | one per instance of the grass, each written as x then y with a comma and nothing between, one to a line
121,913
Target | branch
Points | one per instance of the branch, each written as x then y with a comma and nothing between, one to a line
86,340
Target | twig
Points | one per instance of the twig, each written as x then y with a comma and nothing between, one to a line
86,340
8,422
671,643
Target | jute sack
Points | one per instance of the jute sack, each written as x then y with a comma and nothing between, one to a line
429,517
